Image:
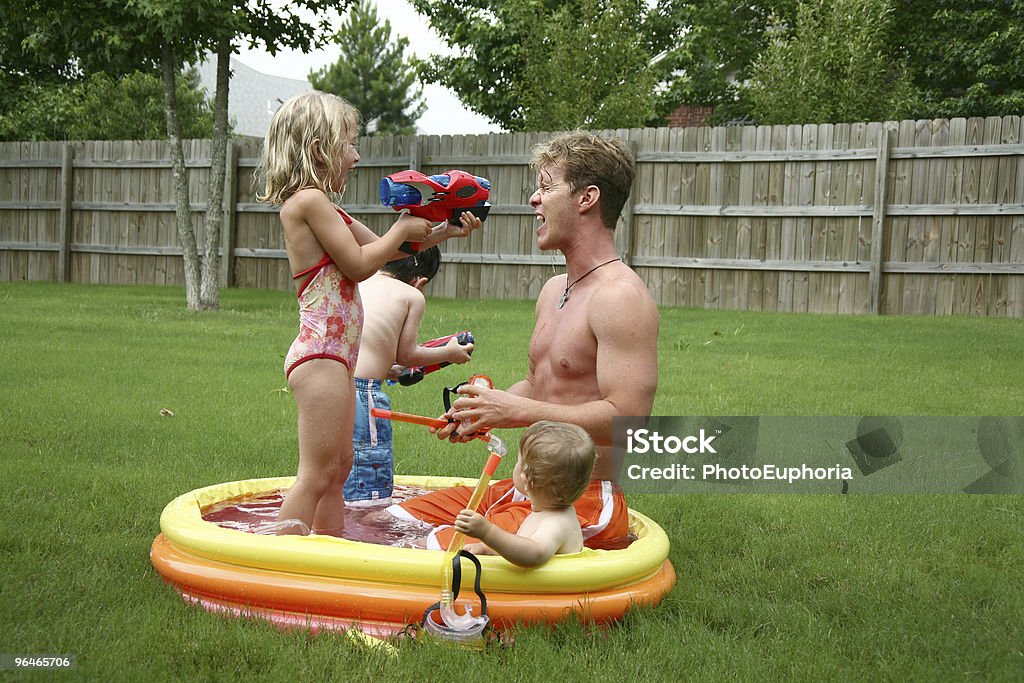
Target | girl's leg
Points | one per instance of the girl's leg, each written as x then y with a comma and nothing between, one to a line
324,520
322,390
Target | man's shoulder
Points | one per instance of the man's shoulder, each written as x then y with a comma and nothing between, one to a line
624,288
624,305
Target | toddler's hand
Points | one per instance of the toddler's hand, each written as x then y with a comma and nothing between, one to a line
472,524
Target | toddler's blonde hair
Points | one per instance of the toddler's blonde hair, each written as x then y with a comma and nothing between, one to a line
288,162
558,459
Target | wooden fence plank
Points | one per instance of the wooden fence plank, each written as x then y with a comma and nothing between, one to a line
881,180
67,192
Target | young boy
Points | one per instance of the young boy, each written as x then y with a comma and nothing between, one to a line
393,305
553,470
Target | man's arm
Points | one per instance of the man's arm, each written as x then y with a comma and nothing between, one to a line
627,373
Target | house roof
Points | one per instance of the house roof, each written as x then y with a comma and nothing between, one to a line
253,96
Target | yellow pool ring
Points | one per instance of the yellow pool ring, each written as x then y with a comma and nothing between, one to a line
333,581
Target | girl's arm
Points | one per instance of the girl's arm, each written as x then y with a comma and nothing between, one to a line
357,261
445,231
438,234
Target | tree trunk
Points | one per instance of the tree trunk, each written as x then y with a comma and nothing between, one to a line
182,208
209,295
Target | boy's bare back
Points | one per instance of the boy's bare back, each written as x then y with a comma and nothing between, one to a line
393,310
392,307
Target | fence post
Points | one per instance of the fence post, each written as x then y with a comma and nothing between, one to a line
67,191
229,224
878,221
627,215
414,153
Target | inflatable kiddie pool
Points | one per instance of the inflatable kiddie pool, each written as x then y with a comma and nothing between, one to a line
323,582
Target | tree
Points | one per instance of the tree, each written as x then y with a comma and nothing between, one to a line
832,66
709,49
965,58
504,47
77,37
104,107
587,66
373,74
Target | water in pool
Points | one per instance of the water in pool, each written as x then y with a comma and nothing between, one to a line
248,513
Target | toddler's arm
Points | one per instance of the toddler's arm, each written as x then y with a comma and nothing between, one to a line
525,551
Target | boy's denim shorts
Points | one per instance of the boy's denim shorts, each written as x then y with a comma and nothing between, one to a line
373,465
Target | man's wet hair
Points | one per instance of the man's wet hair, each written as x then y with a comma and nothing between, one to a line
591,159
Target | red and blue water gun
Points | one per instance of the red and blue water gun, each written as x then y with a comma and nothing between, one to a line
441,197
414,374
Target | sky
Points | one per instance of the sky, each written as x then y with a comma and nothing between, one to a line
445,114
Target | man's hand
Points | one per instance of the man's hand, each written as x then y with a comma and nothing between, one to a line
449,432
479,408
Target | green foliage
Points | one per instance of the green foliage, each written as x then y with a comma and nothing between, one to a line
710,47
587,68
545,64
965,58
104,107
373,74
832,66
962,58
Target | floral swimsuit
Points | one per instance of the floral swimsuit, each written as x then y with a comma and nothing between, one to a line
330,316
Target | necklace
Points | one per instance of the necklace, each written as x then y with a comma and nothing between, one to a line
565,294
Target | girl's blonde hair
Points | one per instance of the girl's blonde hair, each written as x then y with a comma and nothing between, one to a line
289,161
558,459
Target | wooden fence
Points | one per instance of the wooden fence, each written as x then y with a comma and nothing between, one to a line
915,217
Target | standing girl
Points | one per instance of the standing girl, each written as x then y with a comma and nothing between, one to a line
307,155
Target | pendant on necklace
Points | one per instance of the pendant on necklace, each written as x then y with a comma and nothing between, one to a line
565,297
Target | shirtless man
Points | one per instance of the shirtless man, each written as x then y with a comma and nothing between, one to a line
594,350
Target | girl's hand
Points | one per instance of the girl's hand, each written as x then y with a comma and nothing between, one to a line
467,224
412,229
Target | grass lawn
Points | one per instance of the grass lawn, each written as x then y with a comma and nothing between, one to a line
823,587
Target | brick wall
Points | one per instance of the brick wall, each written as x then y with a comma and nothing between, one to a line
687,116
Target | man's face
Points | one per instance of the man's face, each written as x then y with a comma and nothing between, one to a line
553,205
